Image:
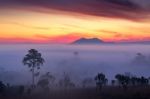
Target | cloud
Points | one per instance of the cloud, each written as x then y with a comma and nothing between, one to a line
107,31
39,38
66,38
21,40
25,25
126,9
15,40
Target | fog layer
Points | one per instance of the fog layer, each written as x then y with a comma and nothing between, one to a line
79,61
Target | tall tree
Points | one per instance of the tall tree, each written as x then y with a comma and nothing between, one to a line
33,60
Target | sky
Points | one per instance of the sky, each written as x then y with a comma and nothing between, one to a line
64,21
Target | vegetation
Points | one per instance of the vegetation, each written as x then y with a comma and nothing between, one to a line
48,86
46,81
100,80
66,82
124,87
33,60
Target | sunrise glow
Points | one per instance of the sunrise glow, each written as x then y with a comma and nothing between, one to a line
49,25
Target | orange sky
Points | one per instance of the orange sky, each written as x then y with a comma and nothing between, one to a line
55,26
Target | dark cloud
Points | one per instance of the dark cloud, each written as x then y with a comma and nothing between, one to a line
106,8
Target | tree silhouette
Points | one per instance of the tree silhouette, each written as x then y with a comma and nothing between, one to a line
140,81
140,59
123,80
46,80
66,82
33,60
113,82
100,80
133,81
144,81
2,88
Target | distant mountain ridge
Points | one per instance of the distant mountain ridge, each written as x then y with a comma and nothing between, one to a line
99,41
88,41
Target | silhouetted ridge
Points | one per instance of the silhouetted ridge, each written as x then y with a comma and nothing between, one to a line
88,41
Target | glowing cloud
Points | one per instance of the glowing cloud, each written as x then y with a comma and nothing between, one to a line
63,21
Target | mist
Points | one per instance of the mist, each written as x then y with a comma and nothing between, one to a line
79,61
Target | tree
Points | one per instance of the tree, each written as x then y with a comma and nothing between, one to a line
46,80
119,78
123,80
144,81
33,60
134,81
140,59
2,88
113,82
100,80
66,82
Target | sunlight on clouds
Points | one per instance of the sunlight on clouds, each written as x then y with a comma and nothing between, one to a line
22,23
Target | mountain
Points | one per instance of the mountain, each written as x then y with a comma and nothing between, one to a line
88,41
99,41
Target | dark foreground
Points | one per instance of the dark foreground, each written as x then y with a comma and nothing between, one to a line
88,93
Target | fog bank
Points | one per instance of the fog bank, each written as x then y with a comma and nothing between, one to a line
79,61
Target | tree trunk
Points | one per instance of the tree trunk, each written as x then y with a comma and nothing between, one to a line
33,81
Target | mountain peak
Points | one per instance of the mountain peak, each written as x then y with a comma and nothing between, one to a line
88,41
